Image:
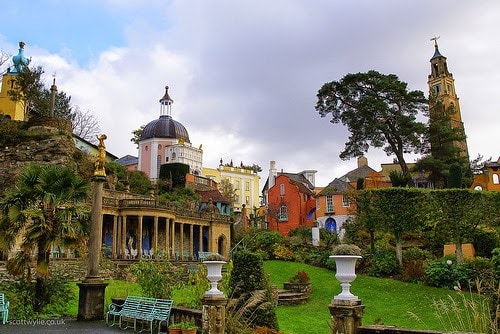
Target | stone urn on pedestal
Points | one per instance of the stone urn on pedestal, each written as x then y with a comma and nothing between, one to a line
214,263
346,256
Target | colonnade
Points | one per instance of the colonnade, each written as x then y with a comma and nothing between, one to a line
148,236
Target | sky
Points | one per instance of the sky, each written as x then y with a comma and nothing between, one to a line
244,74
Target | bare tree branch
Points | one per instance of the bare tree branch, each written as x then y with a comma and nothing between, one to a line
85,125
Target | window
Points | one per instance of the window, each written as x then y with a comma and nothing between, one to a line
282,189
236,198
237,185
345,201
247,186
158,164
247,199
173,155
282,216
437,88
329,204
495,179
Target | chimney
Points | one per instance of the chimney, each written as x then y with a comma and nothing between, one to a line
272,173
362,161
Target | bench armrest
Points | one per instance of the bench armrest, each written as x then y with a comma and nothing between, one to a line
113,307
7,303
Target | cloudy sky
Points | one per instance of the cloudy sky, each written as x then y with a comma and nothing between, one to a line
244,74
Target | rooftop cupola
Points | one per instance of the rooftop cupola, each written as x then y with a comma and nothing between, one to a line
19,60
166,104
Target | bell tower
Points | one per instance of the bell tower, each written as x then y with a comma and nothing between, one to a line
442,86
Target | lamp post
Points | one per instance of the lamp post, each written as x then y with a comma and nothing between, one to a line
92,288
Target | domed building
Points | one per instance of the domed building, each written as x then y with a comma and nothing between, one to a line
166,140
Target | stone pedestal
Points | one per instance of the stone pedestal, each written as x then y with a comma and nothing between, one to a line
346,316
214,314
91,300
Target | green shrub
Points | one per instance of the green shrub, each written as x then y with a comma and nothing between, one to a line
247,281
445,272
21,295
495,260
281,252
414,261
383,263
482,271
485,239
157,279
265,241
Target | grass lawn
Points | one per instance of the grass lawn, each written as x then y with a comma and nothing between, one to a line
387,301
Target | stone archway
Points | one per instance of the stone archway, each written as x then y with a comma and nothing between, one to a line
222,245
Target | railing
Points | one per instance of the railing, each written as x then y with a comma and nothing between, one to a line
183,211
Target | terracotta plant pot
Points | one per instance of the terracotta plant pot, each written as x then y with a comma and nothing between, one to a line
174,331
189,331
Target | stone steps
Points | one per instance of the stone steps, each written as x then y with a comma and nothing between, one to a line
287,297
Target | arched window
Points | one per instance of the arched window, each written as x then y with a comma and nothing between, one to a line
495,179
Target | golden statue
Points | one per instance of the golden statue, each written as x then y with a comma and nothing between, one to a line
100,159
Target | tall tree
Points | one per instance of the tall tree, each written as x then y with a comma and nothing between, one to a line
45,207
378,110
440,148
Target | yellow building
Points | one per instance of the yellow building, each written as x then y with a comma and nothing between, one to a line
245,184
13,110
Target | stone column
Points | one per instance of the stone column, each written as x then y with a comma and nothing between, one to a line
124,236
191,242
167,237
114,239
139,238
200,238
92,288
181,239
155,236
346,316
119,241
172,240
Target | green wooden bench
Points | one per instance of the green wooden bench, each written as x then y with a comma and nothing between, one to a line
140,310
4,308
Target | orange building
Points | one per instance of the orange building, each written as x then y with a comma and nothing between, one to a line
289,200
489,179
333,204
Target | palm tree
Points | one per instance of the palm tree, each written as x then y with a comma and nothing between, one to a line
45,207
